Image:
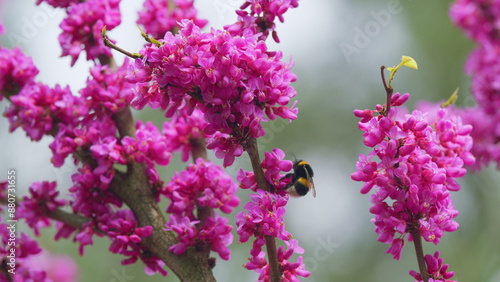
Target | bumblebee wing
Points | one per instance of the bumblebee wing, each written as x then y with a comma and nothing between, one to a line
311,183
312,187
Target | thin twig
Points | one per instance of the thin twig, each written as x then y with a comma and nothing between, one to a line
388,90
111,45
417,242
272,254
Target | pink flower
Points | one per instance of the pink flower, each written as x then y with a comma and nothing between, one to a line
17,71
57,268
148,146
290,270
201,184
36,208
263,216
107,90
126,238
484,133
436,269
34,109
261,18
83,26
415,160
58,3
186,232
24,248
234,81
182,130
273,165
157,17
217,232
477,19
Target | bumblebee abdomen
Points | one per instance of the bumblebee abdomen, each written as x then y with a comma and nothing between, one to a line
300,187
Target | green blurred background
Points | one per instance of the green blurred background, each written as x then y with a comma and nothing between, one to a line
334,228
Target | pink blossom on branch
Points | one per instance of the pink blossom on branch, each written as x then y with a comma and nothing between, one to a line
23,248
35,208
234,81
415,160
436,269
201,185
58,3
477,18
56,267
264,216
182,129
34,109
260,20
16,69
479,21
82,28
158,16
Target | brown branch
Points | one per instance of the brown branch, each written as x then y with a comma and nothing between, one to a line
417,241
134,190
272,254
388,90
124,122
71,219
111,45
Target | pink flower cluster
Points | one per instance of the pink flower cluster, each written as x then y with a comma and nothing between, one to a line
479,21
84,126
126,237
34,109
158,17
290,270
56,268
273,165
42,200
24,248
437,271
17,71
260,20
415,160
264,216
234,81
201,185
182,129
58,3
16,250
82,28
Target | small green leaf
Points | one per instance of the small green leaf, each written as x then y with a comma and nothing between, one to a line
409,62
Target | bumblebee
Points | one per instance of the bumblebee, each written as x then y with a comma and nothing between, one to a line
302,181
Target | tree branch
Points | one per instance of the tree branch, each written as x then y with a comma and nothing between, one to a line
388,91
417,241
272,254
